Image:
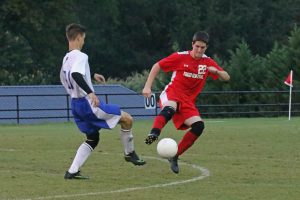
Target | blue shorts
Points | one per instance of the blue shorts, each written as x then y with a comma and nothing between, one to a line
91,119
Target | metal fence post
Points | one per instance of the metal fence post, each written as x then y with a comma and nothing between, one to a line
18,109
68,108
106,98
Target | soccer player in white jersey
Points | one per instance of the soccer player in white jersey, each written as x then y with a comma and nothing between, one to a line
90,113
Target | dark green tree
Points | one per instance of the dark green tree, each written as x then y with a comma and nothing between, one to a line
37,26
245,69
293,50
125,36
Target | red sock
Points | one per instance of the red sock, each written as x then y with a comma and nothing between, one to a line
159,122
186,142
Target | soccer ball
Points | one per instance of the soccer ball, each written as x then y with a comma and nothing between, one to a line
167,148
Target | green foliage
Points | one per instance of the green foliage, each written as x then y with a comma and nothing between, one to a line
277,65
38,27
126,37
136,81
15,52
293,49
282,59
17,65
248,71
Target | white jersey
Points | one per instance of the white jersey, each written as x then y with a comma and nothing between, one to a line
75,61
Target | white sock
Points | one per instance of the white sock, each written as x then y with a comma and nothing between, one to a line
83,152
127,141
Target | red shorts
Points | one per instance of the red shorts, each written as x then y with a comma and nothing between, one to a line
185,109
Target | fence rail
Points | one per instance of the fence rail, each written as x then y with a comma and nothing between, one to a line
29,108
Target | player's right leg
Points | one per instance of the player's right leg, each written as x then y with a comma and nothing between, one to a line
108,116
86,148
169,109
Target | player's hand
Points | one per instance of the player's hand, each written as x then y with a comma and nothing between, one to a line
99,78
147,92
94,99
213,70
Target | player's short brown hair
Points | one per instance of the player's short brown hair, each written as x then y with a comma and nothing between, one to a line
73,30
201,36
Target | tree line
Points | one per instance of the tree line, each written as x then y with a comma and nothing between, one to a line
256,41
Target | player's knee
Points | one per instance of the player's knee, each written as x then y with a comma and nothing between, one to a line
93,139
197,128
126,120
167,112
129,119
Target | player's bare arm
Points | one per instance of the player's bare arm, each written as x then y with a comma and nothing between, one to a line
223,75
99,78
148,85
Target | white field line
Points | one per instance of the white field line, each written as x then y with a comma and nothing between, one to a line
203,174
214,121
7,150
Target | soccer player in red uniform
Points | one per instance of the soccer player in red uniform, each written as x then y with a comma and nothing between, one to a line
190,71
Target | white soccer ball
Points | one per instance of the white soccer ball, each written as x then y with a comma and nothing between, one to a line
167,148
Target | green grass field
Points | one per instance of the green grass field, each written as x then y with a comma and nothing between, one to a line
235,159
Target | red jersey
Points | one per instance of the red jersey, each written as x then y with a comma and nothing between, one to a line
189,74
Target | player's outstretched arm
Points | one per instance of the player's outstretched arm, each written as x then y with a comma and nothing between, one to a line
223,75
148,85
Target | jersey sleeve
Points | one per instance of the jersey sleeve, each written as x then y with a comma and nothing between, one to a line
79,64
169,63
214,64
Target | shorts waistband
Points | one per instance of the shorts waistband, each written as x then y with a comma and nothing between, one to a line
78,99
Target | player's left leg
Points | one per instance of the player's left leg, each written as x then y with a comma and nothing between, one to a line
126,122
190,137
82,154
197,127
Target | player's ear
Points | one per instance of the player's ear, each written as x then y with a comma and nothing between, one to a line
78,37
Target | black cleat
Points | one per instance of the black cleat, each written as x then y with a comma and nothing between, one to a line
152,137
174,164
76,175
133,158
